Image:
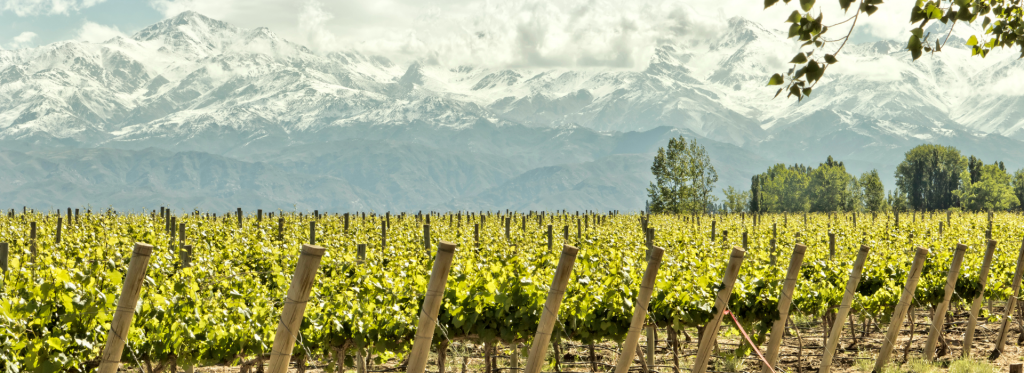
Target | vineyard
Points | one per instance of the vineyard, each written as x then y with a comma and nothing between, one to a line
215,288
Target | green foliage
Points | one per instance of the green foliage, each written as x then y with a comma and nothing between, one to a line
897,201
874,192
54,307
828,187
800,188
928,176
684,178
783,189
1018,186
736,200
1002,22
992,191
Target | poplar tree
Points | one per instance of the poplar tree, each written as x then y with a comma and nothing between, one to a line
684,178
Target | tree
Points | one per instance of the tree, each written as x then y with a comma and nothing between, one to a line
828,187
736,200
874,192
1018,186
856,193
1002,20
974,167
928,176
897,201
755,195
684,178
991,192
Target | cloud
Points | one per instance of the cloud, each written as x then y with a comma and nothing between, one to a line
96,33
571,33
23,40
24,8
313,21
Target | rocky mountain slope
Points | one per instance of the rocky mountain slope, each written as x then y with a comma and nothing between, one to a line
194,112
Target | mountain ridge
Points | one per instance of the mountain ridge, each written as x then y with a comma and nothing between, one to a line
194,84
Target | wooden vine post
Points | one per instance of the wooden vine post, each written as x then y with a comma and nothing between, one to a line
426,239
312,232
640,311
831,245
972,322
700,363
126,302
32,240
939,318
56,239
431,306
900,312
1011,302
785,300
551,238
549,315
844,309
185,256
4,250
294,306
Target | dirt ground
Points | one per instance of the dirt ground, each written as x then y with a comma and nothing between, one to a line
801,350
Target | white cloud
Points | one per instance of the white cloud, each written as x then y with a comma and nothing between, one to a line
96,33
45,7
23,40
513,32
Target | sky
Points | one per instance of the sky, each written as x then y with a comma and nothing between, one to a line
516,33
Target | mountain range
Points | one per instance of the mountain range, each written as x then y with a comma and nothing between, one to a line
193,112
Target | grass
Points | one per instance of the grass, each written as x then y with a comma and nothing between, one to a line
971,366
919,365
730,363
866,362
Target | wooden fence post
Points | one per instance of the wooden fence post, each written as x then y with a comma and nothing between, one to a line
906,297
972,322
56,240
361,252
181,234
426,239
126,301
312,232
636,324
3,257
550,238
713,231
280,228
294,306
549,315
700,363
831,245
383,235
1011,302
32,240
185,256
431,306
844,309
785,299
939,318
239,212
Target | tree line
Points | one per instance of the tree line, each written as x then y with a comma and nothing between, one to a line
930,177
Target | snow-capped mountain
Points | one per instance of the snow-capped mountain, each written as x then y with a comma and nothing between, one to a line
191,83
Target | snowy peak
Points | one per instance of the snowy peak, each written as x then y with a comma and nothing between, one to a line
190,78
191,34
